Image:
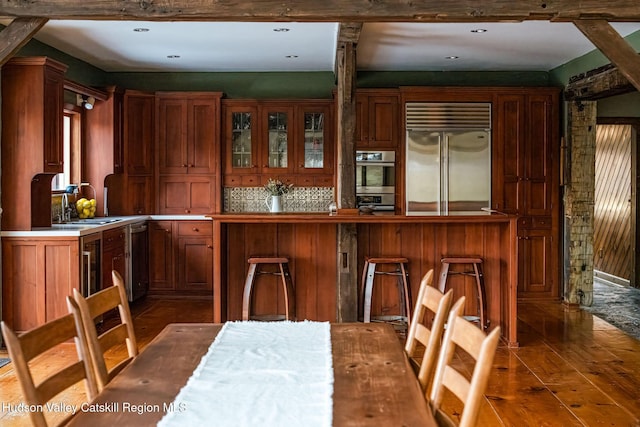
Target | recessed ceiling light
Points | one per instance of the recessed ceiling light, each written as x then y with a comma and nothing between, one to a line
291,56
479,30
281,30
140,30
173,56
451,57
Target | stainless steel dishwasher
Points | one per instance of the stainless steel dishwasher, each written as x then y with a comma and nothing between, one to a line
138,261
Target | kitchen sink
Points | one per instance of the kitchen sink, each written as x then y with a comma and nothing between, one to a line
93,221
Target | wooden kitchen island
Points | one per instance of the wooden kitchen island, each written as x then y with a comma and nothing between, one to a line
310,243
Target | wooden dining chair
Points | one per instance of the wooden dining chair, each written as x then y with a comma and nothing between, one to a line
38,389
432,306
462,334
96,305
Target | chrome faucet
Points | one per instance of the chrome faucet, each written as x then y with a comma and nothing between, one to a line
65,214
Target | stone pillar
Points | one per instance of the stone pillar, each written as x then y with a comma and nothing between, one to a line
579,203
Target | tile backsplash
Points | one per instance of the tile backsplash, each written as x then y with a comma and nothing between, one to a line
303,199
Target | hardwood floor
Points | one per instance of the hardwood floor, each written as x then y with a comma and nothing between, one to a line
571,369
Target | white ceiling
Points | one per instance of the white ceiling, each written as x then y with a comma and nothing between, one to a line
114,46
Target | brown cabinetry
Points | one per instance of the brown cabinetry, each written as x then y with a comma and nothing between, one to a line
377,118
113,255
187,132
180,257
32,138
37,275
139,195
269,139
161,256
194,256
132,193
186,194
138,132
526,164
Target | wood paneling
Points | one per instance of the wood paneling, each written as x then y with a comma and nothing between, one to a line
312,262
612,211
310,242
424,245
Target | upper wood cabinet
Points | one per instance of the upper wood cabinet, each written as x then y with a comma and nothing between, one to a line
185,195
258,137
377,118
138,132
277,138
527,142
32,133
187,132
314,142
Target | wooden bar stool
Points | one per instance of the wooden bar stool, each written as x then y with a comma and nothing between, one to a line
287,286
476,264
404,291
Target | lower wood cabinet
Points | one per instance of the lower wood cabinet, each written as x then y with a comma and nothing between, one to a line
194,256
537,264
38,275
113,255
180,257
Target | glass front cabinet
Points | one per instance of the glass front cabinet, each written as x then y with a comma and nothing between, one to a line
288,140
241,135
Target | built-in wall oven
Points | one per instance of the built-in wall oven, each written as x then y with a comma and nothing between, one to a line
376,179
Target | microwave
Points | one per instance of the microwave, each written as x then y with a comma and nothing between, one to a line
376,179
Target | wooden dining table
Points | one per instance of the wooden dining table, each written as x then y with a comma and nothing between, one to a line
374,384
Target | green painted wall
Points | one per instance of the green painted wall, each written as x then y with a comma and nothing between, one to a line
627,105
560,76
316,85
78,71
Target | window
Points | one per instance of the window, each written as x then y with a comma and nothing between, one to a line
71,147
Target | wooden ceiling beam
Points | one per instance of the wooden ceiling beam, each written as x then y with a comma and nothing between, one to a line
18,33
349,32
327,10
597,84
613,46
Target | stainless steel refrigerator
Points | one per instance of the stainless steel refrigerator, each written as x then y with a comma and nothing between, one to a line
448,158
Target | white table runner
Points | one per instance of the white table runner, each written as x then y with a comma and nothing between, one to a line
260,374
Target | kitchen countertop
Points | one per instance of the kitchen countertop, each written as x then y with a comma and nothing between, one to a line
78,230
301,217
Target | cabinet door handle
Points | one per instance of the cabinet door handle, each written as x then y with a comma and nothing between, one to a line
209,246
187,211
195,229
184,165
